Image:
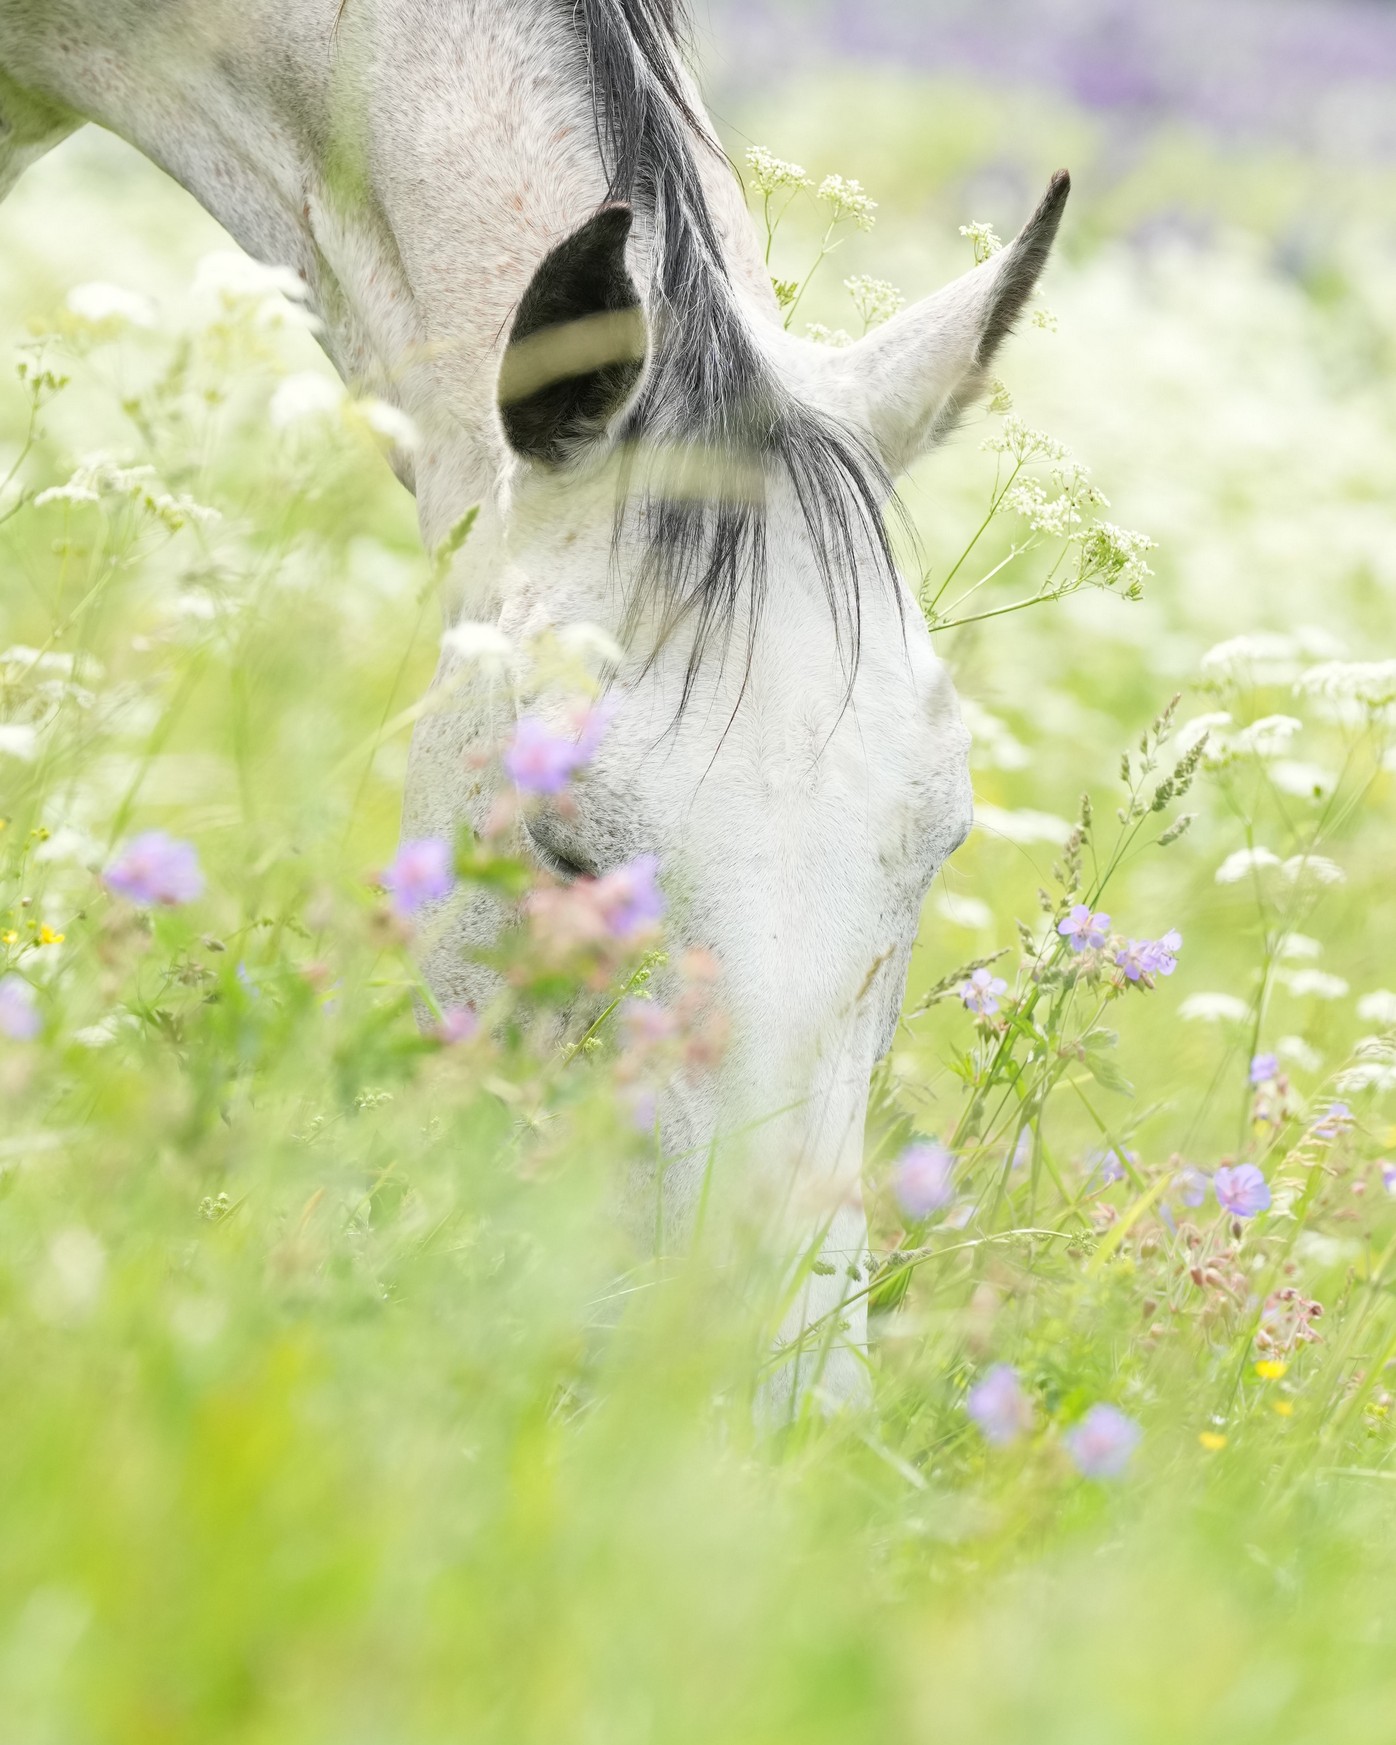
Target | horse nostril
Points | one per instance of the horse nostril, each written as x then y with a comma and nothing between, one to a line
560,859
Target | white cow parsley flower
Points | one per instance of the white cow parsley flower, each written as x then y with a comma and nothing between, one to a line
984,239
847,198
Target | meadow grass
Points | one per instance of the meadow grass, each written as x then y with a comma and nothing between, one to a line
339,1408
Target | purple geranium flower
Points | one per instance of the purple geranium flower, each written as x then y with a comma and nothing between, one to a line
1334,1123
1388,1177
1085,930
982,991
999,1406
1191,1186
1265,1069
922,1177
19,1012
1161,955
1109,1166
156,869
1103,1443
543,762
1242,1190
1142,958
422,873
630,897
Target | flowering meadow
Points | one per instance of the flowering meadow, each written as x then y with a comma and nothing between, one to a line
339,1403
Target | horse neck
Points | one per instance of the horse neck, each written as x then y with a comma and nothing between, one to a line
411,162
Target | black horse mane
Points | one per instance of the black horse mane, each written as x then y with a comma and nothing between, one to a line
709,391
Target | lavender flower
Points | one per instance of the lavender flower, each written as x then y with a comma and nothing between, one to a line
1191,1186
982,991
540,761
1337,1121
19,1013
630,899
999,1406
1242,1190
156,869
922,1176
1265,1069
422,873
1103,1443
1388,1178
1085,930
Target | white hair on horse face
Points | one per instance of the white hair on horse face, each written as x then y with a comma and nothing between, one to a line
521,238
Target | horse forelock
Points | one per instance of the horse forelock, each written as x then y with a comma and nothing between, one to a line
710,393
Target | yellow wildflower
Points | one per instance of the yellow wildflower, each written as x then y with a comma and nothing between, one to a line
1212,1441
47,936
1271,1369
1283,1408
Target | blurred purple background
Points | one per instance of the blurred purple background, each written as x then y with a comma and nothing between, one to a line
1317,76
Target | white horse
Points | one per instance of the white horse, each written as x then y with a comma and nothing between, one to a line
515,223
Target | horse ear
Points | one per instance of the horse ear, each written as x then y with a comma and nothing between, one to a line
578,345
915,376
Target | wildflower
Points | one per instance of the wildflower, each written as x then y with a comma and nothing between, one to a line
646,1024
847,198
1242,1190
1212,1440
984,240
540,761
19,739
1371,683
999,1406
1378,1007
1388,1178
1269,736
1214,1009
156,869
100,302
1085,930
837,337
629,899
1116,555
1143,959
1296,1049
391,423
1272,1369
1103,1443
19,1013
1112,1166
1315,869
458,1024
422,873
308,394
982,991
1315,984
875,299
48,936
1191,1185
482,645
1245,861
1054,516
1265,1069
770,174
1024,444
923,1178
1334,1123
